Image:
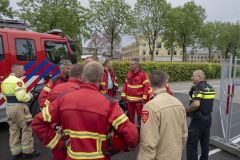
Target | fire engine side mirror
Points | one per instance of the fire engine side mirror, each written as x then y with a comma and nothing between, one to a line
73,58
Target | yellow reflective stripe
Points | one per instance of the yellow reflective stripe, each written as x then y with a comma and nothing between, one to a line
47,89
19,89
200,95
134,98
103,92
146,81
204,95
47,102
46,115
84,155
209,96
103,83
144,97
54,141
118,121
123,94
26,147
207,92
84,134
99,145
16,149
134,86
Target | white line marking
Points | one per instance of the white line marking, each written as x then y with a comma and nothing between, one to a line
236,140
181,91
218,150
214,151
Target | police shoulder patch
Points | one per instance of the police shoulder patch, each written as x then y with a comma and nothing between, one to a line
145,115
19,84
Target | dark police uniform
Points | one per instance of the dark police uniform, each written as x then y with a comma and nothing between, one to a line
199,129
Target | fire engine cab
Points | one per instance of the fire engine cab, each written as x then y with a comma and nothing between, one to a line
39,53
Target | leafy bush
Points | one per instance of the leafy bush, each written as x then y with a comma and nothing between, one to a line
177,71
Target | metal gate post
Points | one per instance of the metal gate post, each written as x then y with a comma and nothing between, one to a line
225,143
226,139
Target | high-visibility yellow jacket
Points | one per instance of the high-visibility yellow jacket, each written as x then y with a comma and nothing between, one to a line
14,88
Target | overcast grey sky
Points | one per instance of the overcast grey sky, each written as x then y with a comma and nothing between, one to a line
220,10
217,10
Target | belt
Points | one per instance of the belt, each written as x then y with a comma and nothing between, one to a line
199,115
12,99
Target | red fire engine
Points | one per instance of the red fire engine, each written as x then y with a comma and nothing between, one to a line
39,53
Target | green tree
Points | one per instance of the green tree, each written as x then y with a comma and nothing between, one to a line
45,15
169,34
110,18
188,22
5,9
228,41
149,21
208,37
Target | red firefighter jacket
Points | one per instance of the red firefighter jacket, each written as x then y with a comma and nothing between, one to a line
136,86
103,88
86,117
61,89
42,98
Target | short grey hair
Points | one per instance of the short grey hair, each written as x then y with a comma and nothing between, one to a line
15,67
93,72
200,73
63,63
76,70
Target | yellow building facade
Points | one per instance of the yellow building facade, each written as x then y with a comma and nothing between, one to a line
140,49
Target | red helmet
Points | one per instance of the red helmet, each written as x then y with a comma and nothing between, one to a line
116,144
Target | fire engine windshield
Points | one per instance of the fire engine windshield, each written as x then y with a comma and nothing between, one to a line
55,51
1,49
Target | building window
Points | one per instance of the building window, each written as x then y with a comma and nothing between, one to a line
25,50
1,49
156,52
175,52
168,52
158,45
144,52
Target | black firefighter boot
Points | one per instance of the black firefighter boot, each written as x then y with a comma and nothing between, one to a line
17,157
31,155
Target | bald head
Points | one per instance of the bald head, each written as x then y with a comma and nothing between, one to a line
93,72
18,70
200,73
198,76
88,60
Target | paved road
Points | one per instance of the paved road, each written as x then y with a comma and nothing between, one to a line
182,89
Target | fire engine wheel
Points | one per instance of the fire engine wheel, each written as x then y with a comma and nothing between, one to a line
35,108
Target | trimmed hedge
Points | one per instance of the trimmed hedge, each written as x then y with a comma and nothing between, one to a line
178,71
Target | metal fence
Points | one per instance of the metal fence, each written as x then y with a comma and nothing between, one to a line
230,98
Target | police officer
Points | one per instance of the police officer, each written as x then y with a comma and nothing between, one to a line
18,116
201,102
